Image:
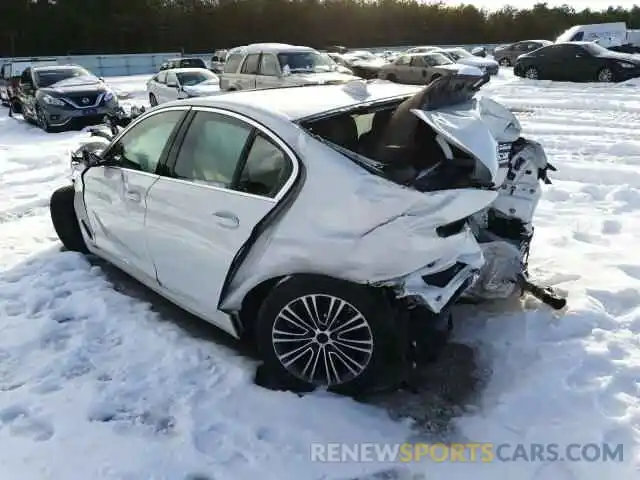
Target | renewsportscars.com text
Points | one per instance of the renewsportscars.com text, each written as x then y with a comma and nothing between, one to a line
466,452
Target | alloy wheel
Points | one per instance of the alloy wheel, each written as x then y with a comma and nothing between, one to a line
42,120
531,73
605,75
322,340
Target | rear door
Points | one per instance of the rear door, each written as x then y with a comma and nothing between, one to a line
228,174
419,73
402,69
116,196
246,80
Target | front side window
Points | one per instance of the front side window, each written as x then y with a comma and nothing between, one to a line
436,60
172,80
142,147
266,170
269,65
212,149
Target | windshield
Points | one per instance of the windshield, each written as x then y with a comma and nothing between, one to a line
437,59
595,49
47,78
459,53
309,61
189,79
192,63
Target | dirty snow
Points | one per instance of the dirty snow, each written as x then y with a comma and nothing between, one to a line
100,379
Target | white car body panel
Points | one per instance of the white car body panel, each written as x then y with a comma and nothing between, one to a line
164,93
116,201
383,233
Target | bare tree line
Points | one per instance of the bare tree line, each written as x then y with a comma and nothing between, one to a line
59,27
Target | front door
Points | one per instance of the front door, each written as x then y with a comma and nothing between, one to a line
269,72
224,181
115,196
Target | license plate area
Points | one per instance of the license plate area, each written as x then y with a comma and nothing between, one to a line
504,154
90,112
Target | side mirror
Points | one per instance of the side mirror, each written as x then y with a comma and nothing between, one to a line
91,159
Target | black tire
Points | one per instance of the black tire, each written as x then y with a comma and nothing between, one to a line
606,75
392,78
64,219
14,107
153,101
379,326
42,121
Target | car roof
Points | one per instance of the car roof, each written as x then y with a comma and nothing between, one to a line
57,67
275,47
186,69
296,103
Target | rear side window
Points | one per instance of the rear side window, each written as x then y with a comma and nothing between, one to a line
251,64
266,170
161,77
212,149
232,63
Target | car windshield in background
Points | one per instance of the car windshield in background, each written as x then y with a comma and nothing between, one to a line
437,59
310,62
188,79
192,63
47,78
459,53
595,49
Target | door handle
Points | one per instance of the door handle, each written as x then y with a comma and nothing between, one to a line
133,196
227,219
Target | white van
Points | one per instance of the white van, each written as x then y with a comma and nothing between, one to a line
607,35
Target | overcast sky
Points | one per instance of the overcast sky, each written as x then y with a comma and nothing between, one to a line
577,4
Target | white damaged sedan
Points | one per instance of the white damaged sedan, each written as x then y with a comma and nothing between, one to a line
331,224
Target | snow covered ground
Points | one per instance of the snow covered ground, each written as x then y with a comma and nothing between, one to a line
100,380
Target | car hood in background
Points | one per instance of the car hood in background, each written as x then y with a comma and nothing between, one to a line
318,78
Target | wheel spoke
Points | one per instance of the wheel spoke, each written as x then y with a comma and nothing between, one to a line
297,321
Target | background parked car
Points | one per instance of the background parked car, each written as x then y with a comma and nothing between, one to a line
179,83
269,65
463,57
506,55
218,59
56,97
422,49
10,75
578,62
362,63
419,68
183,62
336,61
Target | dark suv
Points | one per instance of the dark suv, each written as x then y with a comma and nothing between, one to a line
56,97
506,55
